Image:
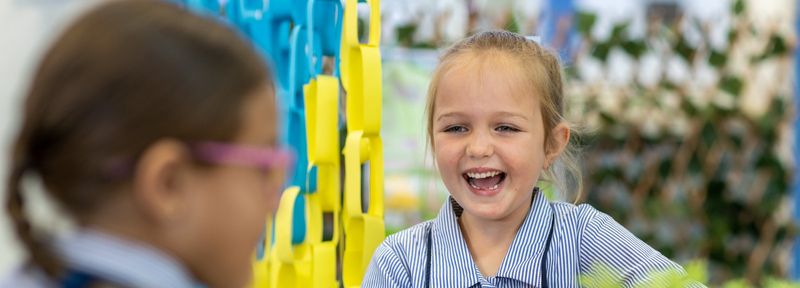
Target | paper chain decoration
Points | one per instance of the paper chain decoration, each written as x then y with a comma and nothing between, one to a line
319,238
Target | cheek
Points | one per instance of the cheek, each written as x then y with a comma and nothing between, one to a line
530,149
244,204
272,190
522,159
227,219
243,226
447,146
447,157
255,202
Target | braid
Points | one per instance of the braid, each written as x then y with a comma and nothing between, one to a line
40,254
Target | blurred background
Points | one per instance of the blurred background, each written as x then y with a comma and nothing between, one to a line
685,112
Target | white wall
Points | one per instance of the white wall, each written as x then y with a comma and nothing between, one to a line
26,28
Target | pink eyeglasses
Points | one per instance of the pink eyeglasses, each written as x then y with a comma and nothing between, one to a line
234,154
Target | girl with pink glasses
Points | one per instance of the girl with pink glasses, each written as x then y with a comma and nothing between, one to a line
155,130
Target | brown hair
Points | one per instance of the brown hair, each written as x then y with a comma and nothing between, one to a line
542,71
123,76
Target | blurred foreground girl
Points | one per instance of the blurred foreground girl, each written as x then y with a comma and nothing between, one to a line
155,129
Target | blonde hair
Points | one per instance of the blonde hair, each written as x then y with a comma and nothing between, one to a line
542,70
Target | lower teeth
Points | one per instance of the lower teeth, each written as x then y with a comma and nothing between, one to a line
490,188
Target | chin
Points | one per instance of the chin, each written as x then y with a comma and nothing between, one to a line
233,276
240,279
488,211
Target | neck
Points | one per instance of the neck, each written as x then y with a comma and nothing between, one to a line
488,240
120,218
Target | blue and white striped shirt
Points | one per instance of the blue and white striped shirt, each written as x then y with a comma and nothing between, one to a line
110,258
582,238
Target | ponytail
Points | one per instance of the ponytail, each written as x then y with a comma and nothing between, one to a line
39,253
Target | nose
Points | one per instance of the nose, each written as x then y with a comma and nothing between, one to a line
480,145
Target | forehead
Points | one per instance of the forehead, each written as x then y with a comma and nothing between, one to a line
491,79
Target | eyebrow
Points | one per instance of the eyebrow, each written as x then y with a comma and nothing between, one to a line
498,114
446,115
512,115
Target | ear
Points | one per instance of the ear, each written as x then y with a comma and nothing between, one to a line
559,138
159,182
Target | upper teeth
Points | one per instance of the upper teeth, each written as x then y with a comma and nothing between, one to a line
483,175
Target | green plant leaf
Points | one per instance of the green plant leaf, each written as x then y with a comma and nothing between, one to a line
738,7
601,51
618,32
778,283
717,59
667,85
585,22
776,47
767,122
731,84
634,48
733,35
683,49
697,270
689,108
512,24
599,276
738,283
405,34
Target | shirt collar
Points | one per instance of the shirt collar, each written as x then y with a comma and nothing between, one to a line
450,253
522,262
121,261
524,258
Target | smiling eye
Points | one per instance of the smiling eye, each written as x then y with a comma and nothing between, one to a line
455,129
506,128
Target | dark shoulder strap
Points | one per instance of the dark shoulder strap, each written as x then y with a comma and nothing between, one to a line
429,247
543,265
78,279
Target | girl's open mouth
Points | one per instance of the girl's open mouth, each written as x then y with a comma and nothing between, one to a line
484,182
